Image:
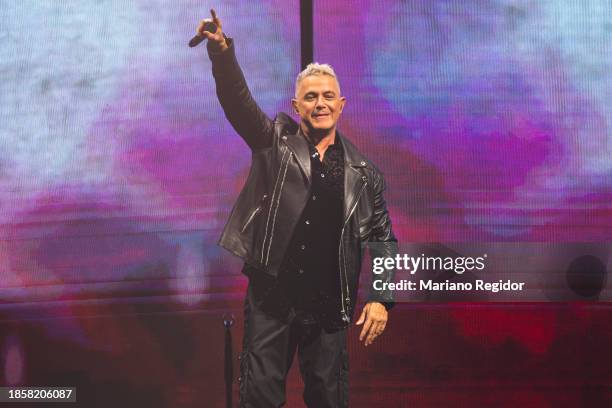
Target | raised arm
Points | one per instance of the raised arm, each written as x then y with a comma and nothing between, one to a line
245,116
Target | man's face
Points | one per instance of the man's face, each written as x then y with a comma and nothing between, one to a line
319,103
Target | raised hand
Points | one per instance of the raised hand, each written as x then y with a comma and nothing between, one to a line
217,36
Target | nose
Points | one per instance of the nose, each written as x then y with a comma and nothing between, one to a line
320,102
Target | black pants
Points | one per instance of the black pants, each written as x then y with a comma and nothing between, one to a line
269,344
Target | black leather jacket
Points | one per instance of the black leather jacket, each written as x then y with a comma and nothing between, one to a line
265,214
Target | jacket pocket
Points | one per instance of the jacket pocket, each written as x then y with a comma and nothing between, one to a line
253,213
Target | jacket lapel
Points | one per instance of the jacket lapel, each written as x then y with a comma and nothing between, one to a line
290,134
299,147
353,177
353,162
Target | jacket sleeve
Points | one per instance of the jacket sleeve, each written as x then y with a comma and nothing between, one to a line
382,243
241,110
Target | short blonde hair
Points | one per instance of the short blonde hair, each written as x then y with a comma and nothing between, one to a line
315,68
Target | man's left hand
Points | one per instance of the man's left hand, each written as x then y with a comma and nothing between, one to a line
375,316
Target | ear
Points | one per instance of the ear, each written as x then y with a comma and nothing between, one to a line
294,103
342,102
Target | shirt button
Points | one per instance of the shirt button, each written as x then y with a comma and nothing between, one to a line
307,222
314,197
301,271
322,175
303,247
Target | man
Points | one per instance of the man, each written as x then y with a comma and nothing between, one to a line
310,201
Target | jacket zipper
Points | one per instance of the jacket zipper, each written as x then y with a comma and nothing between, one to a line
346,301
254,213
266,254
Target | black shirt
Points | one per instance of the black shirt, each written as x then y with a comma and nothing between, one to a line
311,264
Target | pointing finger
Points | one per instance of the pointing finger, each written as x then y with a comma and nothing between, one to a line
213,13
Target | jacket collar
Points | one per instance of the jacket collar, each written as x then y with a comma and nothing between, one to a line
290,133
352,156
354,179
353,159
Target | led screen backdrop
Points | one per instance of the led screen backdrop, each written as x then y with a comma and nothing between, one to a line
118,165
489,119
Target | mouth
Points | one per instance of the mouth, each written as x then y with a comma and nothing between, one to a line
320,115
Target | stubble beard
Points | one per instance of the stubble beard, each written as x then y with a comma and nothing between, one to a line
317,134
